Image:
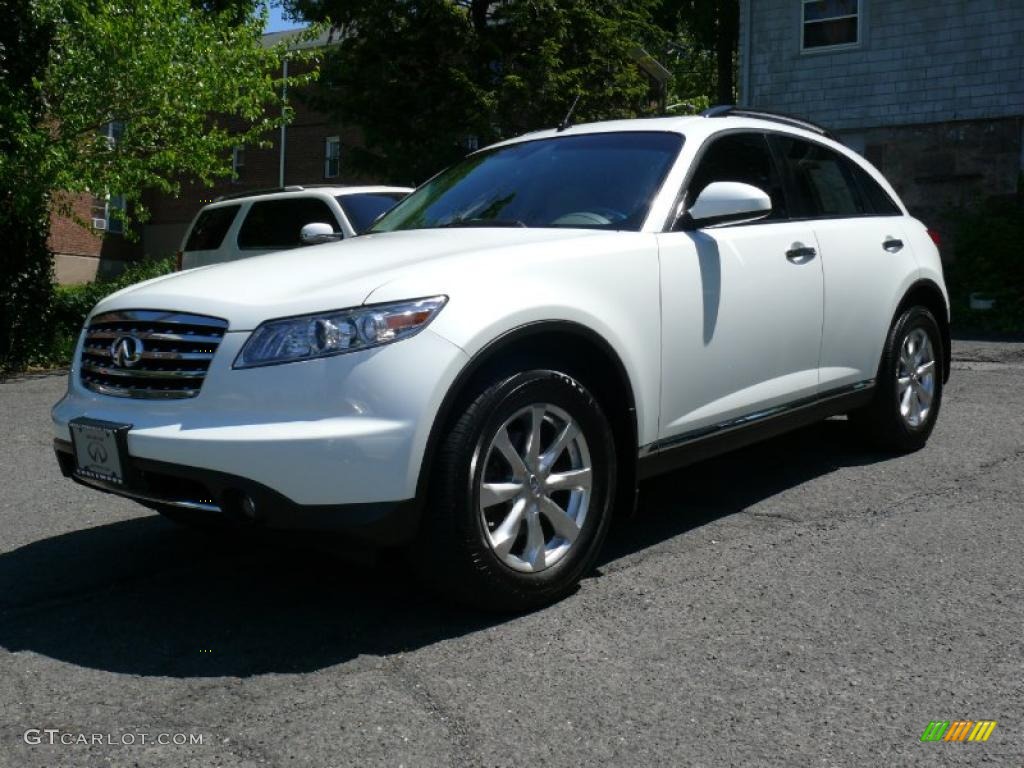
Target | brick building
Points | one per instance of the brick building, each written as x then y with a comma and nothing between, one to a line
930,91
313,147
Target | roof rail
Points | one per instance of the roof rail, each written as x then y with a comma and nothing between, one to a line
730,110
255,192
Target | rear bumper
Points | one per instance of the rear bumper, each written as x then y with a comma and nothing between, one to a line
244,501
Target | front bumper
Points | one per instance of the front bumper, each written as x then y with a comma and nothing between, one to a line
342,436
156,484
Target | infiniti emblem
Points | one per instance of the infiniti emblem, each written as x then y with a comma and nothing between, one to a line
126,351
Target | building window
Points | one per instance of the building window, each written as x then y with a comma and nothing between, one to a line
332,157
237,163
108,214
112,132
472,143
830,24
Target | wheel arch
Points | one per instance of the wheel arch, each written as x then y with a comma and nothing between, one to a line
569,345
926,293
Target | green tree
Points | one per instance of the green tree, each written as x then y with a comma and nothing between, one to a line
183,83
704,35
422,77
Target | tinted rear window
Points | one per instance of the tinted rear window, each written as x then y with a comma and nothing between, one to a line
277,223
822,180
208,232
363,209
879,199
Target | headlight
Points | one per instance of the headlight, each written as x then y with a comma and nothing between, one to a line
307,337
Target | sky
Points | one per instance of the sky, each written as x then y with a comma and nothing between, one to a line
276,23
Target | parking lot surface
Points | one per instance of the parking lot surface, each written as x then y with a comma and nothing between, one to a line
798,603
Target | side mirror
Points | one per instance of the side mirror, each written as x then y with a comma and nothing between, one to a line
726,202
318,232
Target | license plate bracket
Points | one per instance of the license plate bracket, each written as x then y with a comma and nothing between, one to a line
101,450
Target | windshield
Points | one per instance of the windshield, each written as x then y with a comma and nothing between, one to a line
593,181
362,208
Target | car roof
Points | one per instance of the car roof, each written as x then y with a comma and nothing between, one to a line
694,127
341,190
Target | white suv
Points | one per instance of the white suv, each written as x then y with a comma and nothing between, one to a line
248,224
490,371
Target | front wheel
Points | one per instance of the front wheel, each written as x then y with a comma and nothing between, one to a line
908,392
520,494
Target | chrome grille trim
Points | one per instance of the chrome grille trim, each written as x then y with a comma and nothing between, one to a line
141,373
151,336
177,349
105,352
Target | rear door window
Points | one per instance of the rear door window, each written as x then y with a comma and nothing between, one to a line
822,180
364,208
210,228
277,223
879,200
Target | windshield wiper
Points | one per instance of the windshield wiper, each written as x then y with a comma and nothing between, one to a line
484,223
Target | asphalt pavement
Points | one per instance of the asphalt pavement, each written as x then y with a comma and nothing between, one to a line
798,603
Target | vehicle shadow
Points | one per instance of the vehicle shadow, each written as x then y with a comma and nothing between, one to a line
145,598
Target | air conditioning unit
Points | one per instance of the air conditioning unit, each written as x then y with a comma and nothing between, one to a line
99,223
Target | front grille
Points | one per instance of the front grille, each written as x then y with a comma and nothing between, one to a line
166,354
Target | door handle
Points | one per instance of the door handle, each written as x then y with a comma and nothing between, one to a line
892,244
799,253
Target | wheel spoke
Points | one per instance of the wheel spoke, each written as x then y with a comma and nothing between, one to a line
903,382
924,397
505,535
533,439
905,403
496,493
566,481
925,368
560,520
550,456
504,445
535,544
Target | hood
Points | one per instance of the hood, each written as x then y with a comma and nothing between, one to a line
320,278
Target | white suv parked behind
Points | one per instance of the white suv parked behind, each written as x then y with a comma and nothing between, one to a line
487,373
248,224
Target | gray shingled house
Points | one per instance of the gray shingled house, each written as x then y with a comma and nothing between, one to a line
930,91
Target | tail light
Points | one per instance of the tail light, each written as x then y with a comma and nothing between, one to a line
935,237
179,255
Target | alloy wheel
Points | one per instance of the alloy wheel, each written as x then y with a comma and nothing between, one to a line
915,377
535,488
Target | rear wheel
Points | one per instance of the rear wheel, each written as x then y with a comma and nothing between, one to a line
520,494
908,392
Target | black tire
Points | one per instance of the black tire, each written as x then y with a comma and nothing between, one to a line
453,551
881,423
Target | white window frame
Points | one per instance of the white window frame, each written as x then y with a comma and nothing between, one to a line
109,224
858,15
110,134
329,156
115,226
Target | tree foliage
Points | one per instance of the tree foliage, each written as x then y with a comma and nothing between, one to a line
704,34
423,76
184,81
